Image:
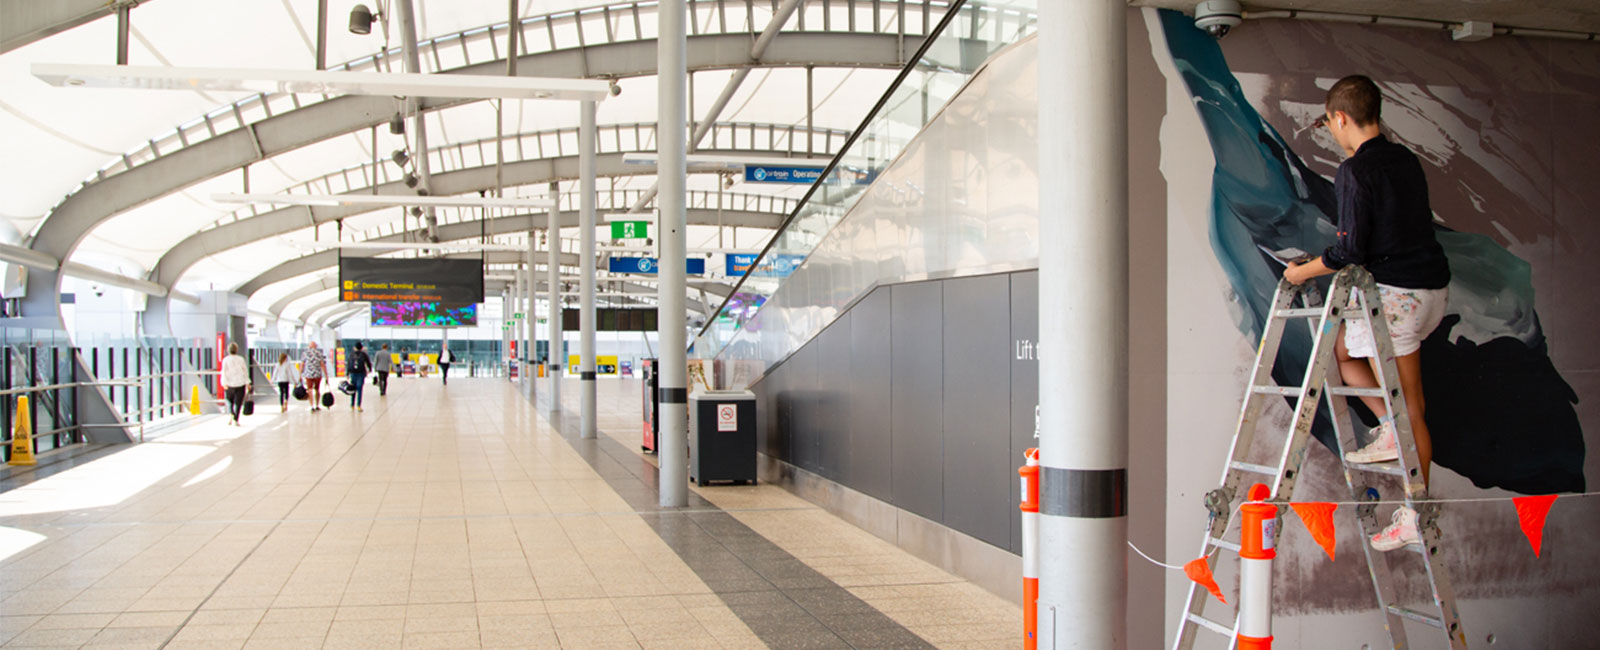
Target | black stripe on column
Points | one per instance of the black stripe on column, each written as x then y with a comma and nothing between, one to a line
674,396
1083,493
587,375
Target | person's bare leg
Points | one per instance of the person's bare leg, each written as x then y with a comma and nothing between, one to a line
1410,367
1357,373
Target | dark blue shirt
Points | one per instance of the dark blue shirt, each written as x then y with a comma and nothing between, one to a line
1385,223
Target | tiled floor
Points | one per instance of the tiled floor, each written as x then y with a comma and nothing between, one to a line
448,517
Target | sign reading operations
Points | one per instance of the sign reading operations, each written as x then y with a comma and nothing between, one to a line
648,265
776,174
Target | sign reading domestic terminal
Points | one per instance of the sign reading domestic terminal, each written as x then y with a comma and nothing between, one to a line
372,279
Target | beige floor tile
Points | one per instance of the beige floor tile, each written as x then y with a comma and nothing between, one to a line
441,640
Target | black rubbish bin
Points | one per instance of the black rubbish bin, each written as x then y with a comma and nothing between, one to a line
722,436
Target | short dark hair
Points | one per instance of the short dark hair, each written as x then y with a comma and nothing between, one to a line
1357,97
358,345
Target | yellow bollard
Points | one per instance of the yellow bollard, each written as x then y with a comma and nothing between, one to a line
22,436
194,401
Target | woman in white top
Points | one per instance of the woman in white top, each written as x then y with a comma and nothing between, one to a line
235,378
285,375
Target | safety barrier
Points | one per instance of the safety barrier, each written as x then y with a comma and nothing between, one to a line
1030,548
1257,548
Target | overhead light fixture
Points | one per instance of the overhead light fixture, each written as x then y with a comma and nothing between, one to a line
330,82
397,125
399,157
361,20
410,179
383,200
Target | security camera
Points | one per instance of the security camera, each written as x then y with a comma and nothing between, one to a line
615,89
1217,17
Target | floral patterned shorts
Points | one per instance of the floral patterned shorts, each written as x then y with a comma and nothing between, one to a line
1412,316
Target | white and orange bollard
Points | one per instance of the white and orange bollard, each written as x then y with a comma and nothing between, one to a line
1258,539
1030,549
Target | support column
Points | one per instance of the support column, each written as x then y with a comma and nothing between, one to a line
671,77
586,172
505,332
553,248
530,352
1083,306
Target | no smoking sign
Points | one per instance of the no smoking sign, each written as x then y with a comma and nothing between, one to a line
727,417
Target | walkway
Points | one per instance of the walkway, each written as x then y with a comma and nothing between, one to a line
448,517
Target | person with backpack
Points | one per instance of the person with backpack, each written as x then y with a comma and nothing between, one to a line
360,365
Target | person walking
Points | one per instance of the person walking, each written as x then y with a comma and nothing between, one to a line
445,359
313,367
360,365
383,365
1385,224
235,379
285,376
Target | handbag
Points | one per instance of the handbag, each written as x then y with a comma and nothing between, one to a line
249,407
300,393
346,388
327,400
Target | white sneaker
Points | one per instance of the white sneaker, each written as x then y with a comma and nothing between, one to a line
1382,448
1402,531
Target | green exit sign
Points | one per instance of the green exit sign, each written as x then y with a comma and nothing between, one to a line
517,316
629,229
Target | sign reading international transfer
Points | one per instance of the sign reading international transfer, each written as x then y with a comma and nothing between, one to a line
372,279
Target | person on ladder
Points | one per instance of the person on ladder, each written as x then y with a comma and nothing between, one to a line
1385,225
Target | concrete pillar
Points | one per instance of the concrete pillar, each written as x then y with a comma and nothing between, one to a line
586,199
1083,305
553,247
672,75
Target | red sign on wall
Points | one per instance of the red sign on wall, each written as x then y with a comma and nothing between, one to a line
222,342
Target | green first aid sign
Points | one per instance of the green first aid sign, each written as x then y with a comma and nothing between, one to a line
629,229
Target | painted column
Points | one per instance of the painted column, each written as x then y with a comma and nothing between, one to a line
672,75
586,170
1083,306
553,248
505,332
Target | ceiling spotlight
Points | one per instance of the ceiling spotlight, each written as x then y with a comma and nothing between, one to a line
614,89
361,20
397,125
411,179
416,212
399,157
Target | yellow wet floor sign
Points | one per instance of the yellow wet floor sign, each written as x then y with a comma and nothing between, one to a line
194,401
22,436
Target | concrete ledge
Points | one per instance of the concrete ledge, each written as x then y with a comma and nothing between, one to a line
988,566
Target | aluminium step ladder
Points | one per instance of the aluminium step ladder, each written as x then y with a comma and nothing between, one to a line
1322,379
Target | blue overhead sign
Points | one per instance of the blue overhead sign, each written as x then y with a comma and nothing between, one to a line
775,174
776,266
648,265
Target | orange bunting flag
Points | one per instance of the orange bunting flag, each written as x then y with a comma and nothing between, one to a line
1200,572
1531,512
1318,518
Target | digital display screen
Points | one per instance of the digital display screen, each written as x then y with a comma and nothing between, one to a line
423,314
373,279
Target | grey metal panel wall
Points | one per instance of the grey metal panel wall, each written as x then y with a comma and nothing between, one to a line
977,406
833,397
869,397
800,391
916,392
1024,383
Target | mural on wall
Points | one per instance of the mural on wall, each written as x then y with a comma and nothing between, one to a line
1501,414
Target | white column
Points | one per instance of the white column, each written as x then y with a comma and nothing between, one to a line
672,75
553,246
1083,306
532,334
586,199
